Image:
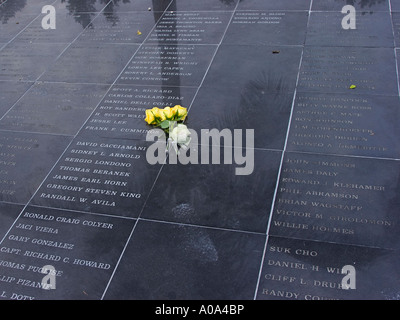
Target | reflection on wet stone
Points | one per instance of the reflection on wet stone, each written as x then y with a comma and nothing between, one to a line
77,191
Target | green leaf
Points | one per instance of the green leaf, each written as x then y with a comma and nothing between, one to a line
164,124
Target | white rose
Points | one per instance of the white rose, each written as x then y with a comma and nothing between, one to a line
180,134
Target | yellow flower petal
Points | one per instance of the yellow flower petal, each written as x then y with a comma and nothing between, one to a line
149,117
169,114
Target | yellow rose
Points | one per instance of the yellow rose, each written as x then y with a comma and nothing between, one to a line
181,112
159,114
169,114
149,117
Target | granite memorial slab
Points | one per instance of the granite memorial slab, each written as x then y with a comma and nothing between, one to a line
347,200
252,107
121,113
68,27
239,66
25,160
168,65
158,6
9,212
288,5
121,27
107,176
372,30
281,218
205,5
10,93
311,270
56,108
202,194
365,6
177,27
25,7
90,63
394,5
396,27
186,262
336,69
13,23
22,61
267,28
359,125
82,6
82,249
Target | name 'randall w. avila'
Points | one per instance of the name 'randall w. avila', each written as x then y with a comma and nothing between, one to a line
197,151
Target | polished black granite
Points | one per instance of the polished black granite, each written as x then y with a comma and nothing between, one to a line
83,250
220,108
107,176
90,63
319,188
364,6
331,198
9,213
274,68
274,5
20,176
177,262
306,270
10,93
359,125
336,69
267,28
177,27
155,65
22,61
121,113
203,194
63,112
372,30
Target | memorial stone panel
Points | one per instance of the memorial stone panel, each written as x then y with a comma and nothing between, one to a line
82,249
237,66
306,270
336,69
68,27
25,160
205,5
250,108
22,61
138,5
177,27
9,213
190,262
54,108
10,93
365,6
100,176
202,194
344,200
267,27
396,27
119,27
274,5
90,63
121,114
12,24
168,65
360,125
372,30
